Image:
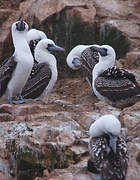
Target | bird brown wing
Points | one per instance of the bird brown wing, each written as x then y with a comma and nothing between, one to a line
6,70
115,165
97,150
37,82
89,58
110,165
32,45
116,88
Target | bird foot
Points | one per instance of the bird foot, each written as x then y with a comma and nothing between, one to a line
10,100
99,177
19,102
19,96
15,102
92,94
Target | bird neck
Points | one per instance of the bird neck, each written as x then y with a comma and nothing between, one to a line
20,42
45,57
101,66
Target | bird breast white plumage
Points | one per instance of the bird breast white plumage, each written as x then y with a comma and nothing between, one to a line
21,73
44,56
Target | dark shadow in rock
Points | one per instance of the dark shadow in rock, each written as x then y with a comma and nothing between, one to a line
112,36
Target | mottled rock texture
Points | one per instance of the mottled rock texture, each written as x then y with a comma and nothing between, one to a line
70,22
48,139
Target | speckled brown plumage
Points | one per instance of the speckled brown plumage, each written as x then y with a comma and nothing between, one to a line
89,58
6,70
37,82
111,166
32,45
117,84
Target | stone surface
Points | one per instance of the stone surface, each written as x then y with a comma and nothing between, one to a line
122,14
71,22
48,139
132,60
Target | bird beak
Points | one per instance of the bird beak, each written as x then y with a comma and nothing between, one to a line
55,48
76,62
20,26
102,51
113,142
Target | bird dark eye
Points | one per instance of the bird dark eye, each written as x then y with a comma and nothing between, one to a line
50,45
103,52
104,49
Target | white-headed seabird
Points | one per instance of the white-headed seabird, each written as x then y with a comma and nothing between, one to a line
15,71
44,74
108,151
33,37
83,57
112,85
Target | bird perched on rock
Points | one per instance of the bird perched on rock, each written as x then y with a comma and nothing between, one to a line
112,85
83,57
44,73
14,72
108,151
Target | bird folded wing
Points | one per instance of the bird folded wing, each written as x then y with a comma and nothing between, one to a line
89,58
6,71
38,80
116,89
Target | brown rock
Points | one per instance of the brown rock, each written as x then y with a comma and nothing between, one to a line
138,157
10,4
132,170
4,14
70,15
132,60
129,118
6,108
56,133
87,15
5,35
123,15
43,9
6,117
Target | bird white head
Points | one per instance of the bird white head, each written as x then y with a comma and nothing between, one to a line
104,125
107,53
75,53
19,36
44,47
73,58
34,34
20,26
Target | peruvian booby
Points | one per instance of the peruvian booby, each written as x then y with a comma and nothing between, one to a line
44,73
14,72
33,37
83,57
112,85
108,151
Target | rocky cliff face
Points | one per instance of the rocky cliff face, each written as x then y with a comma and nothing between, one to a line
70,22
47,140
